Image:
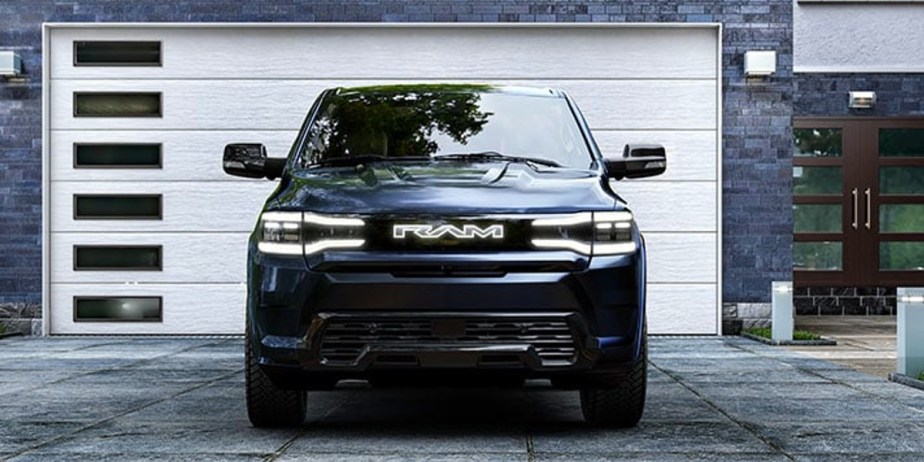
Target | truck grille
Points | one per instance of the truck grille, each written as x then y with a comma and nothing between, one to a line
344,340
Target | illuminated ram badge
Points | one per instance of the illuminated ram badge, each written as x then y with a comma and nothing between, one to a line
465,232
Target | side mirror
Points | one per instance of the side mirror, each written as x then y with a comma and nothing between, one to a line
638,161
250,161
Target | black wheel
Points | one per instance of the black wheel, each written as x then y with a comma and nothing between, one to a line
267,404
621,402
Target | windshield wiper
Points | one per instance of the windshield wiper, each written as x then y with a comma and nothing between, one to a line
494,155
365,159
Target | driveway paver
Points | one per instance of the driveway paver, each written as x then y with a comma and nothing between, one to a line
182,398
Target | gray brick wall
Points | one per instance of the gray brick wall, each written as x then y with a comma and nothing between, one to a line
826,94
756,123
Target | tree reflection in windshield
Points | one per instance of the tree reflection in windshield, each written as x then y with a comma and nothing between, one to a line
369,124
395,122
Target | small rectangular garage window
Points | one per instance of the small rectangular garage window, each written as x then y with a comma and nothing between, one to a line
117,257
118,309
111,155
118,207
116,53
117,104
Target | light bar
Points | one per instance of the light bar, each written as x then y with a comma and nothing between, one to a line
612,216
614,248
567,244
327,244
324,220
295,217
565,220
280,249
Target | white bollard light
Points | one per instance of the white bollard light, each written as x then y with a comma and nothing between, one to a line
910,321
781,315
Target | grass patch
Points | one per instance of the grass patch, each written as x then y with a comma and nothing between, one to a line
921,376
2,329
765,332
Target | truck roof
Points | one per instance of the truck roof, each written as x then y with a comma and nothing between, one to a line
449,88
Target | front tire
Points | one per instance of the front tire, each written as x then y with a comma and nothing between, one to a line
621,402
267,404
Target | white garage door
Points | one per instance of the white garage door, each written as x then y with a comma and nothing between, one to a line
185,237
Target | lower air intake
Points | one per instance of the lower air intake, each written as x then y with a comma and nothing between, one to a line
344,340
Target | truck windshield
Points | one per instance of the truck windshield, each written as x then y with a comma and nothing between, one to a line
423,122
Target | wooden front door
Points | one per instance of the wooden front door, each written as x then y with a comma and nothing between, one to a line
858,202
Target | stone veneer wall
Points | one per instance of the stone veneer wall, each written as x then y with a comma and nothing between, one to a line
847,301
756,137
825,95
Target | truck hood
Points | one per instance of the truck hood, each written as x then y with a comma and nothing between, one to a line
444,187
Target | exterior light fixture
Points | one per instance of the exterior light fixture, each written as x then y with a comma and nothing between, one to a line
782,323
909,338
862,99
759,63
782,287
912,299
10,64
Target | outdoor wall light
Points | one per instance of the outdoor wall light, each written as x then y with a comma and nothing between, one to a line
759,63
912,299
10,64
782,287
861,99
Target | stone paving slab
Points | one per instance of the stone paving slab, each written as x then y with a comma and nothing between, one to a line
393,457
124,437
865,343
846,437
67,398
663,456
648,437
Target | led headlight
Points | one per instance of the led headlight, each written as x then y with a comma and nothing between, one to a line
613,233
281,233
588,233
306,233
323,232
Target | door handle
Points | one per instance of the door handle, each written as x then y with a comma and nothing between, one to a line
869,209
855,207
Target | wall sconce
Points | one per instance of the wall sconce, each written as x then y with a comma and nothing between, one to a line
10,64
861,99
759,64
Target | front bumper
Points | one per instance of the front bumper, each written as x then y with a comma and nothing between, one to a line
291,310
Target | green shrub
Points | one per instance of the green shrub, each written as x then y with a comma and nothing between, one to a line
765,332
921,376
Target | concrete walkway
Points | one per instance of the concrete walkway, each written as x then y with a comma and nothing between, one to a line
181,399
864,343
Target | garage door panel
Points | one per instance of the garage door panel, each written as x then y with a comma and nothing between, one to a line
186,257
227,206
682,308
195,155
688,206
497,52
690,154
254,83
185,155
221,104
187,308
640,104
282,105
681,257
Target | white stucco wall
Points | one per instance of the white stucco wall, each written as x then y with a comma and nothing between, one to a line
858,37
